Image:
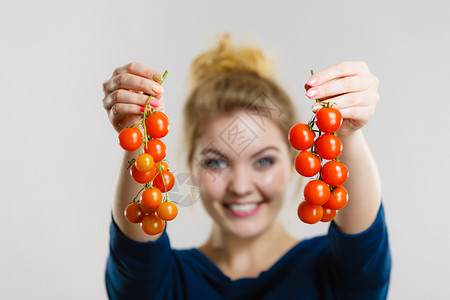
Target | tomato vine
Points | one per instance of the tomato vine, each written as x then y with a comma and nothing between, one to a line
330,173
147,169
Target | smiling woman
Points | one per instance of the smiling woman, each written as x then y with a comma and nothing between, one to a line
237,120
243,192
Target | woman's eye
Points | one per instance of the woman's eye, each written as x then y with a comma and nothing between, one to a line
214,164
265,162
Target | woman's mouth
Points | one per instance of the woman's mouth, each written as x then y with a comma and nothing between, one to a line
243,209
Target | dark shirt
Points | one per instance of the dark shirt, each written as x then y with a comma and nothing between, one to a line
335,266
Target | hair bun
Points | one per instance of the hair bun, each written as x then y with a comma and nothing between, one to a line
229,58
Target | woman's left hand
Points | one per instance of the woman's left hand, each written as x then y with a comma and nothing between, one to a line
352,87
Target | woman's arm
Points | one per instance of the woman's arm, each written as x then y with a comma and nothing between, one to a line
363,185
353,89
126,92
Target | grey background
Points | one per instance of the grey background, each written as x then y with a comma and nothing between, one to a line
59,153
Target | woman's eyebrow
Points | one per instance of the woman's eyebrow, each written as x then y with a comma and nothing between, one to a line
218,153
213,151
265,149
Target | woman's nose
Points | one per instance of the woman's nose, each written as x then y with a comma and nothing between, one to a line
241,181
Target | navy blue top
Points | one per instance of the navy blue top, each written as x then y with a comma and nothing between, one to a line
335,266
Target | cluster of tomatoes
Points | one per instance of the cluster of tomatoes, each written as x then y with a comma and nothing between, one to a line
324,195
152,210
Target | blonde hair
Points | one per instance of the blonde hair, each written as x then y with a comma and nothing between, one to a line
232,77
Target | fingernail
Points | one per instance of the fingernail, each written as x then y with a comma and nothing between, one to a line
157,89
153,103
143,107
157,77
313,92
313,80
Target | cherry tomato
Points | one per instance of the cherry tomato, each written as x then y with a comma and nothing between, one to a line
152,224
328,214
316,192
328,146
307,164
141,177
144,163
301,137
334,173
167,211
150,199
338,198
157,149
169,181
134,213
164,165
309,213
328,119
157,125
130,139
163,114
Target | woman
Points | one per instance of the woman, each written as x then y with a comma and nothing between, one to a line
236,123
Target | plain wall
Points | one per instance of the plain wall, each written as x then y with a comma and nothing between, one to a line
59,154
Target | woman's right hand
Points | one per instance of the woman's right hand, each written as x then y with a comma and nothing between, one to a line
127,92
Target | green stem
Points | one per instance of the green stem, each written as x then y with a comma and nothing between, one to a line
134,200
164,182
148,112
164,76
130,163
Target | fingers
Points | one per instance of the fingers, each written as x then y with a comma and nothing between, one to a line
124,115
340,86
338,70
129,97
120,110
128,91
364,98
129,81
138,69
351,87
160,106
154,103
357,116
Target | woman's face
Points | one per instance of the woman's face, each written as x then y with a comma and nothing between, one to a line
243,167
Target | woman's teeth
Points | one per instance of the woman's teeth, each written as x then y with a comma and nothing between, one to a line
242,207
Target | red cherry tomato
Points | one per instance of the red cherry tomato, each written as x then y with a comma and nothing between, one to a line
328,146
316,192
140,177
301,137
152,224
338,198
169,181
150,199
163,114
134,213
334,173
144,163
167,211
328,119
157,149
307,164
328,214
157,125
309,213
130,139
